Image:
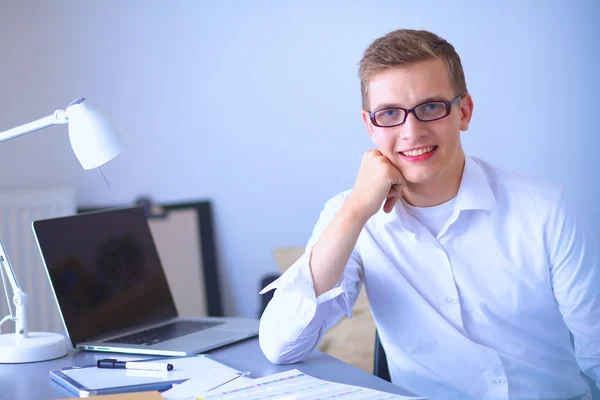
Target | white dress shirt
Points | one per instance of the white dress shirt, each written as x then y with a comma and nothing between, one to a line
481,311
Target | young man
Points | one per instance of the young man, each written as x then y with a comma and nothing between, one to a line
474,275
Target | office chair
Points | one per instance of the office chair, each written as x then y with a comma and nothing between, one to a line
380,367
266,298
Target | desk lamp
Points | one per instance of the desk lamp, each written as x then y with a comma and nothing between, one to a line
94,139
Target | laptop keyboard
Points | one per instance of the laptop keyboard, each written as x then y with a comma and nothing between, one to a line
165,332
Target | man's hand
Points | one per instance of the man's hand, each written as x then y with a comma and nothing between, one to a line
378,180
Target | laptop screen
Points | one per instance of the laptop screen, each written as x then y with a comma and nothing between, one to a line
105,272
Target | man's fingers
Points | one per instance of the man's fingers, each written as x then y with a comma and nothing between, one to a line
398,178
389,204
396,191
392,197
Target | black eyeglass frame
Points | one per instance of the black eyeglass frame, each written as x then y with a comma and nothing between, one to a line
448,104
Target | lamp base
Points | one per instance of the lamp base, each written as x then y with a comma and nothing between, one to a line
39,346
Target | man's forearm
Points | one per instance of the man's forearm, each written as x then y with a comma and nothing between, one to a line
289,337
331,252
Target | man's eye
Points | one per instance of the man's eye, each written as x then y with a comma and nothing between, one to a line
432,106
390,113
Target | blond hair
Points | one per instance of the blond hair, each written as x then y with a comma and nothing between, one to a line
403,47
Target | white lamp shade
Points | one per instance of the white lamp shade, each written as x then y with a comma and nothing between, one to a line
95,138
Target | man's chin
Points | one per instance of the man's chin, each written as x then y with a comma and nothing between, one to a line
416,178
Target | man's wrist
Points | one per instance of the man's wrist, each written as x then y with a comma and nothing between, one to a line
353,213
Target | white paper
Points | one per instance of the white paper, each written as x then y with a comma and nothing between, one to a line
294,384
204,382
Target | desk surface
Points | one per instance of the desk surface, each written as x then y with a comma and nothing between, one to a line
32,381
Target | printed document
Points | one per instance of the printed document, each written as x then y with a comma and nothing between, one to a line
295,384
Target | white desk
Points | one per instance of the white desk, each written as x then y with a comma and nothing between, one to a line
32,381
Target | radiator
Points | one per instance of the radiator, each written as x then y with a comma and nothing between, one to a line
18,209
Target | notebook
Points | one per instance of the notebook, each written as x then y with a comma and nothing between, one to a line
112,292
88,380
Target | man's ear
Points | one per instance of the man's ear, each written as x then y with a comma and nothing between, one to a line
466,111
368,124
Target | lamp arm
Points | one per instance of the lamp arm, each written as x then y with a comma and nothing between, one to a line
7,267
20,298
59,117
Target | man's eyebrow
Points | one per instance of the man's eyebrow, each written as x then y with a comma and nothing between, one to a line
433,98
386,105
396,105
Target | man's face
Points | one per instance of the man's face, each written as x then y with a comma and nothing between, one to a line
422,151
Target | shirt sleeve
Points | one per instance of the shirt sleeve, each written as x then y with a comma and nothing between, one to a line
575,274
295,319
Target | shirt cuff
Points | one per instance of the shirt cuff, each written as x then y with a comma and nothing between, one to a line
299,278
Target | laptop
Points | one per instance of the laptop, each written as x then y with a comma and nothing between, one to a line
112,292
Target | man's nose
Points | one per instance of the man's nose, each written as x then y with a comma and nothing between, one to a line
412,129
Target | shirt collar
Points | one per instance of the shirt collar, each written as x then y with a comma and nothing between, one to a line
474,193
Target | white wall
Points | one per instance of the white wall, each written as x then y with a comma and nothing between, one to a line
256,104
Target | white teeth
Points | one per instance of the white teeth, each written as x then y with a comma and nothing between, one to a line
414,153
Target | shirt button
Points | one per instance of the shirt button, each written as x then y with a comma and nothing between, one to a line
497,381
450,299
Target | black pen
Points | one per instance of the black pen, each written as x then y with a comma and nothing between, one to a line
147,366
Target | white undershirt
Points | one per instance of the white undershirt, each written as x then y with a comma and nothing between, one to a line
433,218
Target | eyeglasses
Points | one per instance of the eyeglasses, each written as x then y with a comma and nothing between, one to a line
425,112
